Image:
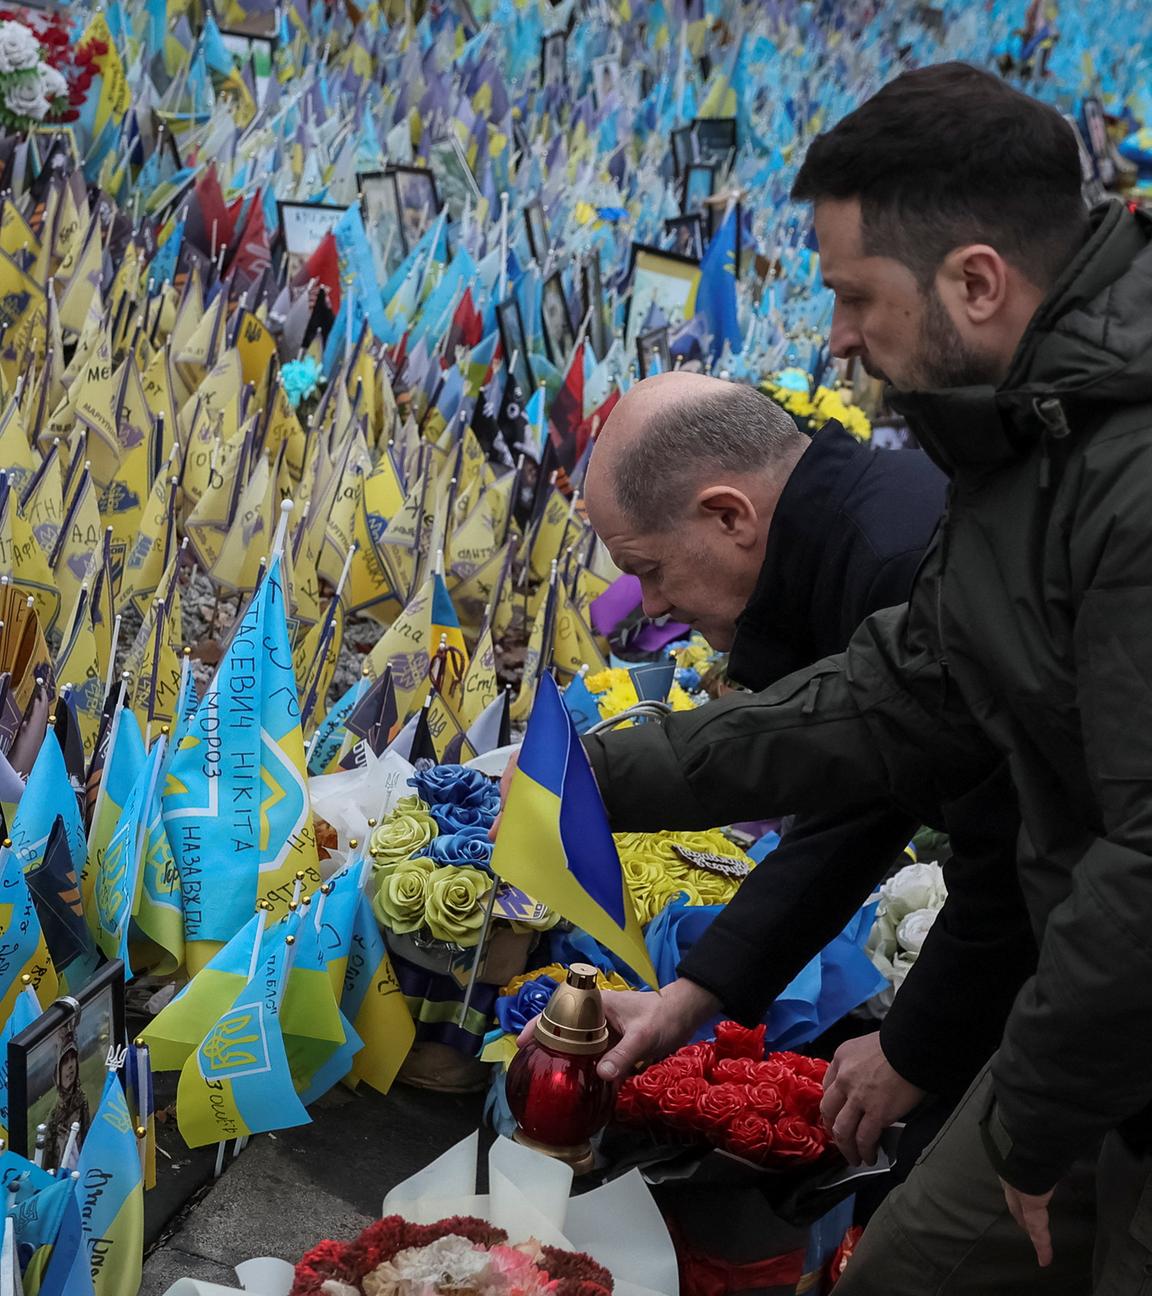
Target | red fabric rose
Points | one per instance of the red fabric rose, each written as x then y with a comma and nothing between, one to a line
703,1050
797,1141
750,1136
812,1067
680,1065
719,1106
647,1087
736,1041
630,1108
736,1071
805,1099
766,1100
679,1102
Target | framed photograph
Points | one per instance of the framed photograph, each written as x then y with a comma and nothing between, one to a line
699,184
687,235
554,60
454,177
514,343
683,149
381,220
260,51
663,279
536,224
56,1067
653,352
1096,137
715,139
302,227
417,202
605,79
593,292
559,335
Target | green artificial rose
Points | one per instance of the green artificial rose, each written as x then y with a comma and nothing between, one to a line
405,833
402,894
454,911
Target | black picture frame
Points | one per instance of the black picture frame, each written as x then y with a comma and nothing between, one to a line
301,238
554,60
592,289
514,344
683,141
90,1028
536,227
245,47
687,234
415,217
671,262
556,321
658,340
696,175
715,139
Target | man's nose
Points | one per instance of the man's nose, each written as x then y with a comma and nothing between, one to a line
654,605
844,339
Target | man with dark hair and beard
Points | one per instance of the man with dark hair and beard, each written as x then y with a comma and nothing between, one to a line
1015,331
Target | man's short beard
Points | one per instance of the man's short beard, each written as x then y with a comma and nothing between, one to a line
942,359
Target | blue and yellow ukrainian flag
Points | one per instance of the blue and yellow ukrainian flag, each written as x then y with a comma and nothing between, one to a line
158,920
23,1014
46,1220
48,794
114,893
236,795
363,977
67,1270
238,1082
25,949
110,1192
125,759
554,842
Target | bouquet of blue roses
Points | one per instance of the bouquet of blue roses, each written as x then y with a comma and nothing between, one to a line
431,856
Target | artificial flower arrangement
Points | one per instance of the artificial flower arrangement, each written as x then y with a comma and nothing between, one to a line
703,867
458,1255
812,410
909,903
430,859
728,1096
44,77
526,996
615,692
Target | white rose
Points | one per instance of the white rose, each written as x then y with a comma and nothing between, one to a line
901,966
25,100
52,84
914,929
916,886
19,49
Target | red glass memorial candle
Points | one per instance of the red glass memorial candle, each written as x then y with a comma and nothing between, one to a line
557,1098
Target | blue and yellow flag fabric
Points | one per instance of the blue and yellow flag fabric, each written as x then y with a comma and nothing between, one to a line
237,1082
554,842
716,298
158,920
24,945
55,886
362,974
24,1012
124,761
117,877
110,1191
66,1269
236,795
48,794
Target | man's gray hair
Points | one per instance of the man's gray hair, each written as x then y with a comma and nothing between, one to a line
735,430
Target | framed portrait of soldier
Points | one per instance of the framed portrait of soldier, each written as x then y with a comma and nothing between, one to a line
514,344
683,149
417,202
699,186
715,139
536,227
559,335
592,290
653,353
303,226
554,61
57,1065
662,279
686,235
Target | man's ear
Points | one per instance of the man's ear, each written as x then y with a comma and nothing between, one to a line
974,280
731,510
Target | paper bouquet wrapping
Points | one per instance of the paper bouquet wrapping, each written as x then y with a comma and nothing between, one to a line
525,1235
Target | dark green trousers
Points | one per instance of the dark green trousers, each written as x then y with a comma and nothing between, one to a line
947,1230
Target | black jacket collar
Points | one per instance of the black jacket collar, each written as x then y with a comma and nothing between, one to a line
773,633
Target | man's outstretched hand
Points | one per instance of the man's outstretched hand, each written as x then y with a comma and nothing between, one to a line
645,1026
863,1095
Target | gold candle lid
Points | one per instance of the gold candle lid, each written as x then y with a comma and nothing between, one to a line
574,1020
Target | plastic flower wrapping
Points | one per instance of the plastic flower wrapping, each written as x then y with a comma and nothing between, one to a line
727,1095
430,858
909,903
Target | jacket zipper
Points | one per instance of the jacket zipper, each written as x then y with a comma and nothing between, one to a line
945,545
